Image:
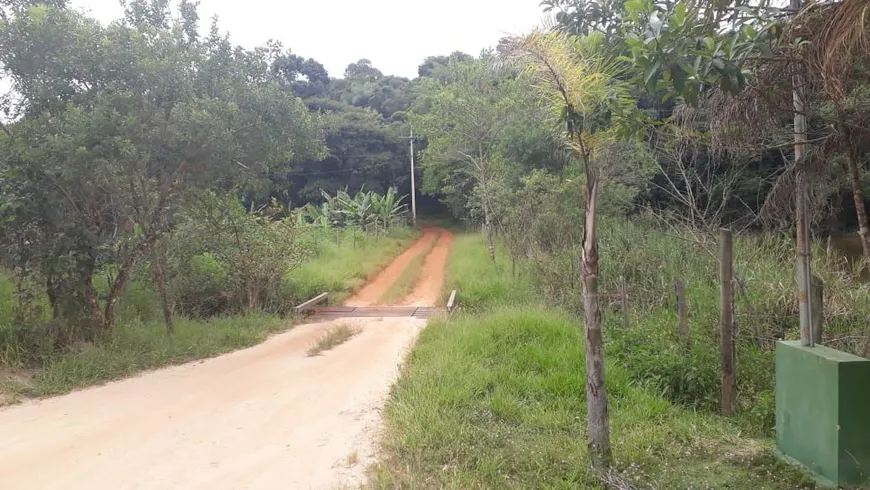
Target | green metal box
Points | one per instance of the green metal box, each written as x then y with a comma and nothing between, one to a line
823,411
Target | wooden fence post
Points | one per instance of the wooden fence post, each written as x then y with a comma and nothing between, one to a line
682,312
624,300
726,332
818,308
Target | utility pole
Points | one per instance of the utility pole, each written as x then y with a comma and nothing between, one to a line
413,183
802,218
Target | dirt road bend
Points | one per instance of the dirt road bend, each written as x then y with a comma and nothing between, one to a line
267,417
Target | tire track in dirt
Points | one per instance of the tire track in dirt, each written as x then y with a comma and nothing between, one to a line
371,293
427,289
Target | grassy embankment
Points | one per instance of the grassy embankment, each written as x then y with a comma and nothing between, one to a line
139,341
494,397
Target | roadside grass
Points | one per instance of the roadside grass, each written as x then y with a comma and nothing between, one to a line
343,261
479,282
404,284
494,397
497,400
141,346
333,337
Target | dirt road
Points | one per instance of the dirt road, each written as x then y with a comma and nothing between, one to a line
268,417
371,293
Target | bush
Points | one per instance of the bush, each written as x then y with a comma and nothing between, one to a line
203,290
223,258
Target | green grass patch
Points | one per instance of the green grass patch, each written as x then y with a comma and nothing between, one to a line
138,347
343,261
406,281
333,337
497,400
479,282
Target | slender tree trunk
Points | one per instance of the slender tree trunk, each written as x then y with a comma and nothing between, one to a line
97,328
490,244
596,393
159,270
51,292
125,272
854,172
726,321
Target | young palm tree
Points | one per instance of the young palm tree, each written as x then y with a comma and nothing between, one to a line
582,87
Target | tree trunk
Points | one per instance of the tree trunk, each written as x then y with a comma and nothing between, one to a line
120,283
489,240
157,265
97,327
726,321
854,173
596,393
51,292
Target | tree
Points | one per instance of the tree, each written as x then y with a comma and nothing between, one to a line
435,66
106,146
464,126
362,70
582,87
304,77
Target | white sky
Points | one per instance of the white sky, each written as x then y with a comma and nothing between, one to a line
396,35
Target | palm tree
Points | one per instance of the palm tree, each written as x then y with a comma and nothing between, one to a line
581,86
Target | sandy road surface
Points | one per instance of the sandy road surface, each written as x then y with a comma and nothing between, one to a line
268,417
428,287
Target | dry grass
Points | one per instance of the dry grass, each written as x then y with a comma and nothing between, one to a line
352,459
336,335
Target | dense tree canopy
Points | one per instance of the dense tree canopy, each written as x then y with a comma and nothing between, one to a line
110,127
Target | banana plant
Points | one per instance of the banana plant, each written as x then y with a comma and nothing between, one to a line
363,209
388,208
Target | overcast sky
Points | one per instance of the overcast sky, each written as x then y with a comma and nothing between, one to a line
394,34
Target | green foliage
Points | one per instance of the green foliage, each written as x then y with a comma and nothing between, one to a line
678,48
476,121
113,126
225,254
367,210
365,150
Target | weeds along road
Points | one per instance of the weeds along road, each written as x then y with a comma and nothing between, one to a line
268,417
